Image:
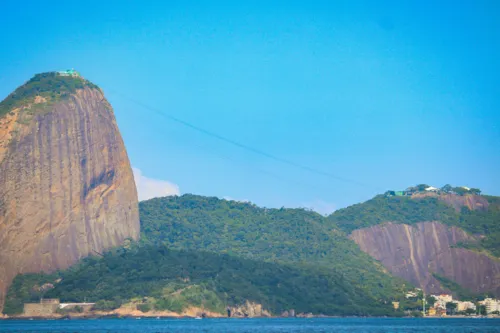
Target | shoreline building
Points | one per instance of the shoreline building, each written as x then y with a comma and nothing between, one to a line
491,305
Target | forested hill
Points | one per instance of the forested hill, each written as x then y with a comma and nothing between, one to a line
162,279
301,236
292,236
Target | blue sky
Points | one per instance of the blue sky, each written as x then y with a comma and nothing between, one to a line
379,92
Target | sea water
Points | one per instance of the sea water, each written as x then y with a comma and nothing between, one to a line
321,325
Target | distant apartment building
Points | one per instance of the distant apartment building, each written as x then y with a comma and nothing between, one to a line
441,301
464,306
491,305
431,312
443,297
436,312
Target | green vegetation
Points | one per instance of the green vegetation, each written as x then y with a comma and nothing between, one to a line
458,290
382,209
177,296
451,308
24,289
48,85
210,253
144,307
409,210
291,236
430,300
414,305
484,223
173,280
411,304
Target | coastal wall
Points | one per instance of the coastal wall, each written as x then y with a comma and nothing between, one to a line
39,309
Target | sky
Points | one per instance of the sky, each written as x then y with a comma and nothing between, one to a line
315,104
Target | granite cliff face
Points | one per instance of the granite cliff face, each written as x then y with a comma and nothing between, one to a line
414,252
66,185
439,239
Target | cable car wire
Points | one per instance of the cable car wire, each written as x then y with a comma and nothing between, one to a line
241,145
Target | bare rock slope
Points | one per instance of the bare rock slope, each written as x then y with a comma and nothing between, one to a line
414,252
66,185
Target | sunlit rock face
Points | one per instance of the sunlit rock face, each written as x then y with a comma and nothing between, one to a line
66,185
415,252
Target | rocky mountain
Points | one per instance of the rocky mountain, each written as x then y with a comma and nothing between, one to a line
431,237
66,185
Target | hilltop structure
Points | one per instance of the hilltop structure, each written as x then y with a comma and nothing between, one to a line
68,72
424,188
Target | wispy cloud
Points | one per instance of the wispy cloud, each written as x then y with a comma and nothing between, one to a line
148,188
232,199
322,207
